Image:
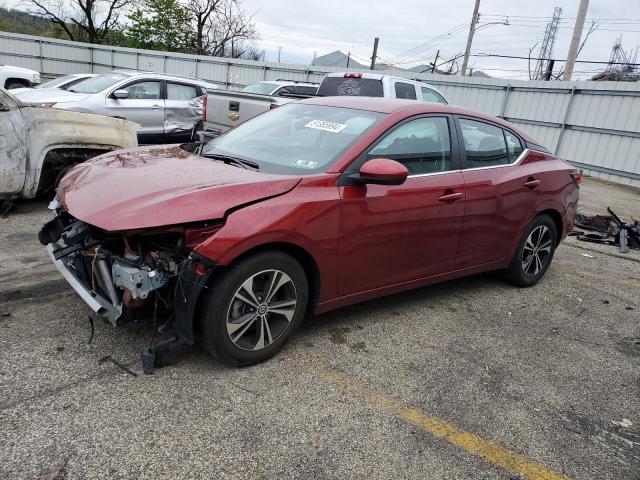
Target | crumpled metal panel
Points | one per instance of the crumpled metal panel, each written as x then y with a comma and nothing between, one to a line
13,149
182,115
50,128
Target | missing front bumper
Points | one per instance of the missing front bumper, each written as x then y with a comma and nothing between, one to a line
97,303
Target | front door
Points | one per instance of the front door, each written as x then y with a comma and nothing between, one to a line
395,234
144,106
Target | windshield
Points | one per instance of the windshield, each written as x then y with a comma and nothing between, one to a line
99,83
263,88
56,82
296,138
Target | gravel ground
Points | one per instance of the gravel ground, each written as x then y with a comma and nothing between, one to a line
548,373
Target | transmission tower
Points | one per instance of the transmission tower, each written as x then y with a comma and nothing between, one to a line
546,49
622,64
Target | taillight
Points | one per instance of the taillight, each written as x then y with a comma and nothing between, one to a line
352,75
577,177
204,108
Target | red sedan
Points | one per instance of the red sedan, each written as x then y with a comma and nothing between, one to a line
307,208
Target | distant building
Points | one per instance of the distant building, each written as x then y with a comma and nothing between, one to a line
337,59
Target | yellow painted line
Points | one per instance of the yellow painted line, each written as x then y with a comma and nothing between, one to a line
469,442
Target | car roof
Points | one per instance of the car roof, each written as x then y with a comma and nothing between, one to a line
166,76
408,108
288,82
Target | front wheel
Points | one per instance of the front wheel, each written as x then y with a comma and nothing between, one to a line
254,308
534,252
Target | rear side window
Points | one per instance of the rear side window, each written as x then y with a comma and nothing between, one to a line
514,146
354,87
422,145
405,90
429,95
177,91
484,144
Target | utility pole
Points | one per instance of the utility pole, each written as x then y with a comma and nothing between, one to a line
375,53
549,71
279,51
575,40
472,29
433,65
348,58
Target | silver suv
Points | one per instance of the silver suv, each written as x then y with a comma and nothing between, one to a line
168,108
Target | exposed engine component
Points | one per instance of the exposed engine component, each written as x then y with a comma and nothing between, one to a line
139,281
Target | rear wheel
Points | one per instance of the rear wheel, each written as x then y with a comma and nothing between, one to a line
254,308
534,252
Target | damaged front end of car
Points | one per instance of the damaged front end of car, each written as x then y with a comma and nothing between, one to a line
116,273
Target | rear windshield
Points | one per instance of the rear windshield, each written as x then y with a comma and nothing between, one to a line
263,88
354,87
99,83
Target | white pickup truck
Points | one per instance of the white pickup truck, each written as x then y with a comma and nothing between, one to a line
224,110
18,77
37,143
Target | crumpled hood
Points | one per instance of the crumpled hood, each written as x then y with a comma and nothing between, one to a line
49,95
156,186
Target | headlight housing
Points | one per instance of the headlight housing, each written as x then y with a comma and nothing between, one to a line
35,78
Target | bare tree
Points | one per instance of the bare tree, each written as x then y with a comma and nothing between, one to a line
82,20
592,28
203,12
529,61
229,31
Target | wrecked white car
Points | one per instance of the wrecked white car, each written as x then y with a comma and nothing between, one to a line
37,144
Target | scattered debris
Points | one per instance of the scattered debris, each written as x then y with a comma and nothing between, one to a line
109,358
587,255
624,423
5,314
605,302
607,229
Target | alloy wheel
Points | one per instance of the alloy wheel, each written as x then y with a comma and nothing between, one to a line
261,310
536,251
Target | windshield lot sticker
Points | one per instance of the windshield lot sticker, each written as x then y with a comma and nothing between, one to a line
326,126
305,164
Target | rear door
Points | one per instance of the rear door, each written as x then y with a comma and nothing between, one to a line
500,194
399,233
183,110
145,106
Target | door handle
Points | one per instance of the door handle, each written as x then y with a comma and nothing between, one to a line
451,197
531,183
155,107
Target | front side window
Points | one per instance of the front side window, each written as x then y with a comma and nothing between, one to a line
422,145
484,144
429,95
405,90
514,146
143,91
99,83
177,91
295,139
262,88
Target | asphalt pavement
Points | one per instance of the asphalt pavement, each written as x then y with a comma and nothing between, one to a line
469,379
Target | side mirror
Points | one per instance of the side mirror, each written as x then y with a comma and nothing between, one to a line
121,93
382,171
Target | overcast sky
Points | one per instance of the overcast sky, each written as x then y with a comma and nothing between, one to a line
302,28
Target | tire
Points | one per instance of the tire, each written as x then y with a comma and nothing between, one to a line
537,243
231,325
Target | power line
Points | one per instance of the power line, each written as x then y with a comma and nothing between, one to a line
532,58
